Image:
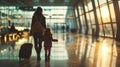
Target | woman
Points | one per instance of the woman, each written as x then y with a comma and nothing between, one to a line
38,16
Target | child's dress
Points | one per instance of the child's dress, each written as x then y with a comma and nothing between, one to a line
48,40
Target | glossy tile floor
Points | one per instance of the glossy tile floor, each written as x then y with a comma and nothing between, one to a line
71,50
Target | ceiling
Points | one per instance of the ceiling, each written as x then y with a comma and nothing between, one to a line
38,2
27,5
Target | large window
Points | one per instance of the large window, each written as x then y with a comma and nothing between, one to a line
99,16
102,1
108,30
86,8
15,15
92,17
77,19
112,12
96,3
115,29
83,23
101,30
119,4
76,13
90,5
53,14
105,14
89,23
80,10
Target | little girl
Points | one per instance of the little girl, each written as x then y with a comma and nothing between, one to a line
47,43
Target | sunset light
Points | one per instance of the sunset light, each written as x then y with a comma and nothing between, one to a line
105,14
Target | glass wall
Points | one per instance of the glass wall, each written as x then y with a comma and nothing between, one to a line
112,12
105,14
77,19
82,17
89,16
10,14
22,18
89,23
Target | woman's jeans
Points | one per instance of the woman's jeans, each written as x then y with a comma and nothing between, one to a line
38,45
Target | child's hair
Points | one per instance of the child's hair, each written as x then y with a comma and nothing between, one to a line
48,30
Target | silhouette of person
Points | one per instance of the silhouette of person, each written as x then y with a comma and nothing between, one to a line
47,43
67,28
12,28
9,22
37,37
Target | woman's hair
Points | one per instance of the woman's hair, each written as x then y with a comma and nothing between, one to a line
38,11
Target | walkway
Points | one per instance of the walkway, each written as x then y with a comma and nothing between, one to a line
71,50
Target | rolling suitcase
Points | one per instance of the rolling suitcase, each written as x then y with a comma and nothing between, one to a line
25,51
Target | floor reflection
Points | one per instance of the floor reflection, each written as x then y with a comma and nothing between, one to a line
47,64
74,50
25,63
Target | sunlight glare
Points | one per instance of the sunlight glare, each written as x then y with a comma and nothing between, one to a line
105,14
